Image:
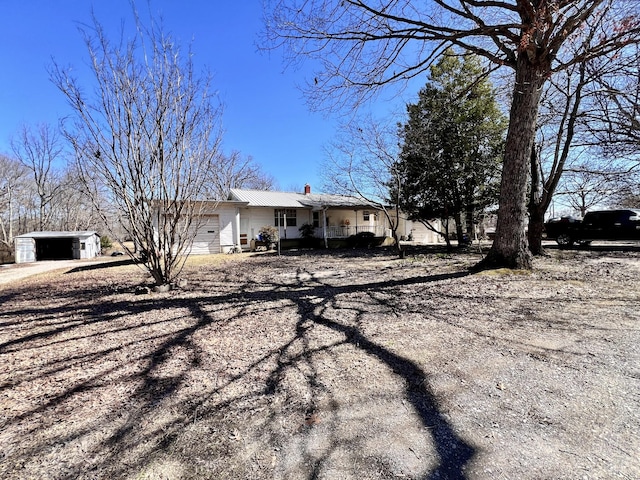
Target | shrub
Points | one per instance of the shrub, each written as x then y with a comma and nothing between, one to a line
269,235
105,242
361,240
307,230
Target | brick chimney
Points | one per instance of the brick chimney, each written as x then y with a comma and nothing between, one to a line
307,189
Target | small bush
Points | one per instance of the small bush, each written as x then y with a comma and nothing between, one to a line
307,230
361,240
269,235
105,242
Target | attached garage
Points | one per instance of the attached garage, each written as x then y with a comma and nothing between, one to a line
37,246
207,239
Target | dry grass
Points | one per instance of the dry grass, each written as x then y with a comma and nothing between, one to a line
349,365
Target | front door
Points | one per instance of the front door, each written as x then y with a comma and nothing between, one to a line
245,234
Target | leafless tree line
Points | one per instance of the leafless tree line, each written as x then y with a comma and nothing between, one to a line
38,189
41,189
587,152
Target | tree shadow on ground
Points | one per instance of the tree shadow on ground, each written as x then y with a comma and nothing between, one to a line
89,348
103,265
452,451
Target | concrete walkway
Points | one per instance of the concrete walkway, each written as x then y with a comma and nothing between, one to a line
15,272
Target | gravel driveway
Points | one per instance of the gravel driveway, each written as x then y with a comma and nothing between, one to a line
17,271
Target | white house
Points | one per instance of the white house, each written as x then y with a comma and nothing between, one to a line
332,216
235,223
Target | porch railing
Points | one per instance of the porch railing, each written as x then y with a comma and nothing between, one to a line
348,230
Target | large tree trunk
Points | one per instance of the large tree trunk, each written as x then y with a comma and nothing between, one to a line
510,248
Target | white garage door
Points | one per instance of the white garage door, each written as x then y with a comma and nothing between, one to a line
207,239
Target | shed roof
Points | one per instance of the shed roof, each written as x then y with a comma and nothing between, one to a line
60,234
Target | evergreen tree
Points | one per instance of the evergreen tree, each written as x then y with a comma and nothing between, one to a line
451,146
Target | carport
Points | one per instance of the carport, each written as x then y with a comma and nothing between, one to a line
37,246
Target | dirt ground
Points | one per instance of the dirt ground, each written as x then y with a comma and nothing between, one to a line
339,365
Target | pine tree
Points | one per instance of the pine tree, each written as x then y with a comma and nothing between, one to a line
452,146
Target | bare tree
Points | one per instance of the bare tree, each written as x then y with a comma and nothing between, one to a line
591,185
617,125
41,151
74,209
561,132
149,134
235,171
50,197
361,161
572,136
13,175
628,196
365,45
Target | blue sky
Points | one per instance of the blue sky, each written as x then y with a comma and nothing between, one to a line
265,113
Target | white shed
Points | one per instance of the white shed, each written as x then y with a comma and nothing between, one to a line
35,246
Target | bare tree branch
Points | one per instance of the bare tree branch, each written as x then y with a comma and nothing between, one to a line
41,151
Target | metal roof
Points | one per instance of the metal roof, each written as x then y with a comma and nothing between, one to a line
325,200
262,198
53,234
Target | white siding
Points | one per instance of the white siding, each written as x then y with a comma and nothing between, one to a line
228,235
91,247
25,250
258,218
422,234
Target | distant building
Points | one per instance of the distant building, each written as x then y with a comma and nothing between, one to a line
36,246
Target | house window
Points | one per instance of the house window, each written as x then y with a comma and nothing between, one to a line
83,246
365,215
280,215
316,219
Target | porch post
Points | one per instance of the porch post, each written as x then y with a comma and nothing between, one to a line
324,227
237,235
356,221
285,223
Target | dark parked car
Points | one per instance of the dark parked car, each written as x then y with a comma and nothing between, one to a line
597,225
